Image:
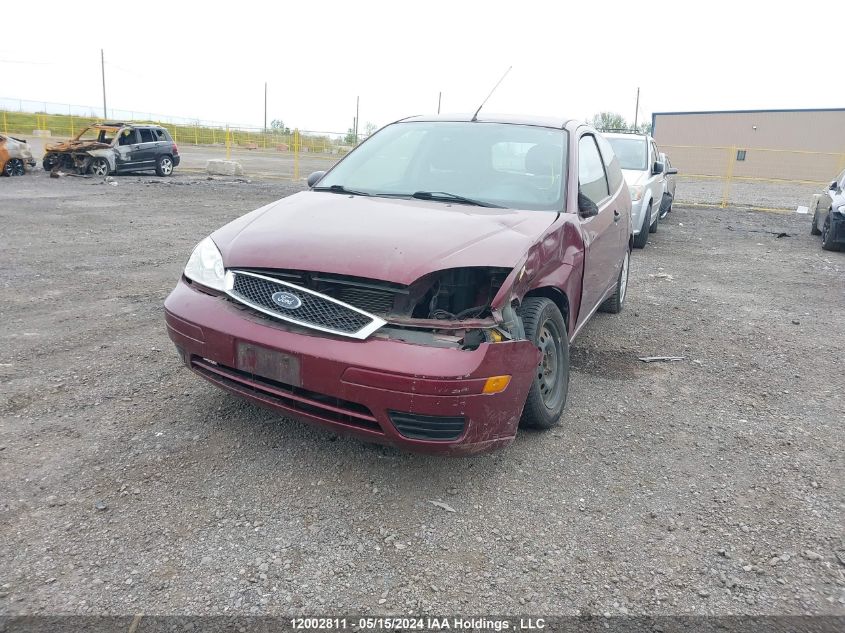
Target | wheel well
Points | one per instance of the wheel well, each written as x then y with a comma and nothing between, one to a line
555,294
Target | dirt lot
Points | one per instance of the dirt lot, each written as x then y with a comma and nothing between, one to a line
713,485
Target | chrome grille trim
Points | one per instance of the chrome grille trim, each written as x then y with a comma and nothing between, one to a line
362,333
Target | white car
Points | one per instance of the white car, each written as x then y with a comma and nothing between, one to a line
646,177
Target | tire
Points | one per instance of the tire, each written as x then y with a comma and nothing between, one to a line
50,161
652,228
828,243
164,165
814,229
545,328
14,167
99,167
641,239
613,304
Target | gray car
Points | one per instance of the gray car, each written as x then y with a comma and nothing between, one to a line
645,175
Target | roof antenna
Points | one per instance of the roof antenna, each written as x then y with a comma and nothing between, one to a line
475,116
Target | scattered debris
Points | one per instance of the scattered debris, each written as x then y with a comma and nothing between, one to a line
662,276
777,234
661,359
802,210
443,506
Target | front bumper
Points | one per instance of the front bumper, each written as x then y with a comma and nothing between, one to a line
355,386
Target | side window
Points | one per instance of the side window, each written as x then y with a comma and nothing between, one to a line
127,137
591,179
842,180
611,164
159,134
146,135
654,153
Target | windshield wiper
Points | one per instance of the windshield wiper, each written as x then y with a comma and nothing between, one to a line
452,197
341,189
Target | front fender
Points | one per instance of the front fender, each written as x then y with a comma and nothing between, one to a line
555,260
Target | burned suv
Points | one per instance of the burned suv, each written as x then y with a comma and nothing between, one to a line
115,147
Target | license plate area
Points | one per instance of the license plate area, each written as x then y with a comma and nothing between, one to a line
268,363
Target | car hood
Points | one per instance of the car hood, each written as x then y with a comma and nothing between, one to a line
378,238
634,176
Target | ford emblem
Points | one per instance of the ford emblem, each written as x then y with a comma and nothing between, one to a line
286,300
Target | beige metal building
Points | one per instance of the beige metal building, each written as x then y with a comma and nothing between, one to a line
804,145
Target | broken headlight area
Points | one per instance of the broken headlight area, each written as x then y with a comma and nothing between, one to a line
464,339
447,308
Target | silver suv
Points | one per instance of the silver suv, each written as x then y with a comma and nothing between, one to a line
646,177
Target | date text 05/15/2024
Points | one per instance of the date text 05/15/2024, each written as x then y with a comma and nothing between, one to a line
418,624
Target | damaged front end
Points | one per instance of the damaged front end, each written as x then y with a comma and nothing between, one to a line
79,154
452,308
15,156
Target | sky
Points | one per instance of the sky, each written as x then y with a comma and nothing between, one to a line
210,60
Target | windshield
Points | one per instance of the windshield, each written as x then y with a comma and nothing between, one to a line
497,164
101,135
632,152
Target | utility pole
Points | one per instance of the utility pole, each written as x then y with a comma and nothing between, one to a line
357,119
637,109
265,107
439,95
103,72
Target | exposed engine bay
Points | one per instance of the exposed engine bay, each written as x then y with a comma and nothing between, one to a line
450,308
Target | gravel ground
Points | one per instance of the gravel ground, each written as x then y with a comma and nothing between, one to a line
710,486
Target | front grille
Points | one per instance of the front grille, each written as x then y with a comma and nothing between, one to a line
427,427
294,399
375,301
315,310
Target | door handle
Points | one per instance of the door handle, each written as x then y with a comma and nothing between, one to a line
616,215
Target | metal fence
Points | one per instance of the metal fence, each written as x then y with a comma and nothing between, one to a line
62,121
751,176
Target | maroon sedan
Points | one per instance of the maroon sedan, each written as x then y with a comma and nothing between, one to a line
425,291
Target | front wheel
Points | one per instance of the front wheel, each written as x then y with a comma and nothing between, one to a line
641,238
814,229
546,329
14,167
50,161
99,167
828,243
164,166
614,302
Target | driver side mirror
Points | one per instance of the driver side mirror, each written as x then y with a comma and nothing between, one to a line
314,178
657,169
586,207
833,186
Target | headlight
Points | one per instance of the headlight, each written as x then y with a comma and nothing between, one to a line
206,265
637,192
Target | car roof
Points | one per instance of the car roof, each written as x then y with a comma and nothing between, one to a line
124,124
645,137
513,119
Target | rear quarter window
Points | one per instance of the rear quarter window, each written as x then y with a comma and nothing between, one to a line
160,134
